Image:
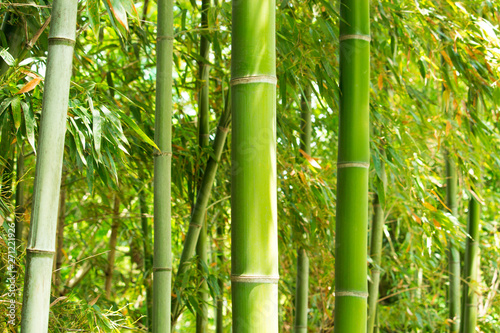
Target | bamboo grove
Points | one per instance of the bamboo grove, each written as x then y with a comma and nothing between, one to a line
250,166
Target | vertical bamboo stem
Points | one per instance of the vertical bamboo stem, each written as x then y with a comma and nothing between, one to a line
112,246
472,259
60,237
302,280
254,233
20,209
351,289
162,260
147,260
41,242
376,254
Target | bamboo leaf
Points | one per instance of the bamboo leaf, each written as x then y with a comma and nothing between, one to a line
16,112
96,127
138,131
30,85
93,11
5,104
118,11
29,121
6,56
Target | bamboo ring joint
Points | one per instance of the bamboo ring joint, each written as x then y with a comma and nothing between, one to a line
161,153
360,294
61,41
254,79
162,269
364,165
360,37
272,279
159,38
41,252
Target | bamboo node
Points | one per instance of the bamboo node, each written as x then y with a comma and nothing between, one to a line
360,294
160,38
162,269
223,129
254,79
364,165
161,153
300,326
194,225
61,41
247,278
41,252
360,37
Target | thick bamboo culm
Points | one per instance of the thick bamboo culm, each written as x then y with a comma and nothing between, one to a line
41,241
351,287
471,271
162,258
377,233
302,280
254,232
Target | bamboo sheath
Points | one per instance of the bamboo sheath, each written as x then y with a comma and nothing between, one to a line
472,259
162,259
254,238
41,242
352,169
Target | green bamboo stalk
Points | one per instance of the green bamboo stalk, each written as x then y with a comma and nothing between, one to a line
147,262
60,238
376,254
41,242
162,259
472,260
112,246
301,292
200,207
219,314
453,252
351,289
254,231
203,141
20,208
302,281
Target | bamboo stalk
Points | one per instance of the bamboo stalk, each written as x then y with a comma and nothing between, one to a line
254,231
112,246
60,237
20,208
41,242
302,280
203,141
200,207
147,258
453,252
472,261
162,259
376,255
351,290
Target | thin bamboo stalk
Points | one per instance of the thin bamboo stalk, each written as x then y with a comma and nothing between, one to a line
200,207
112,246
453,253
60,238
351,289
20,208
376,254
41,242
254,231
147,258
472,260
302,280
162,259
203,141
